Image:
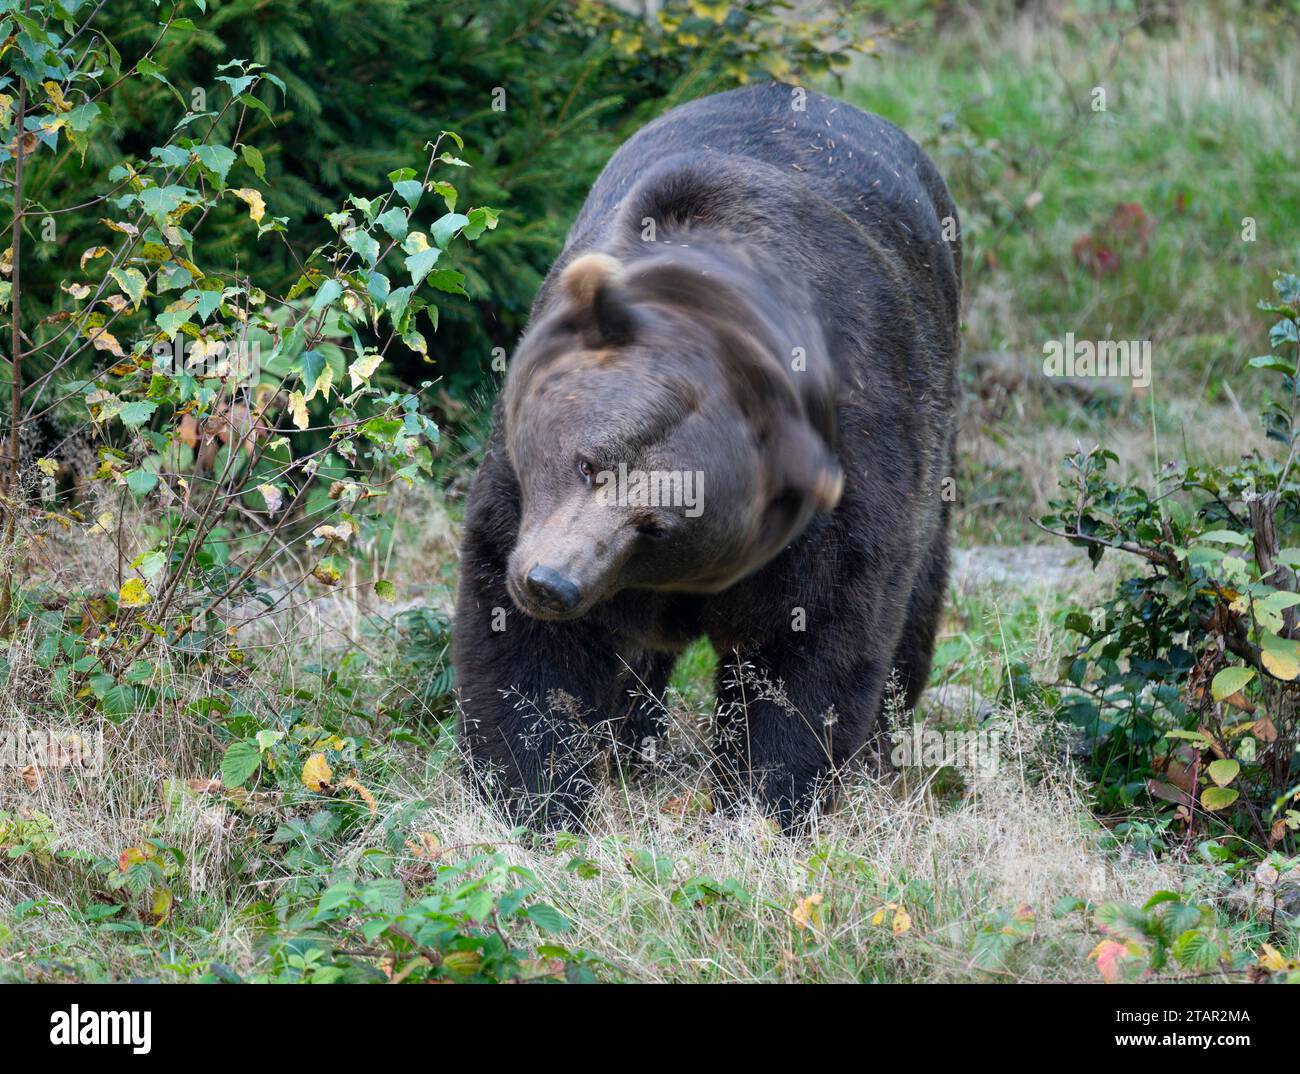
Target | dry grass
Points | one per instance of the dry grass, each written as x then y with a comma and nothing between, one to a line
948,856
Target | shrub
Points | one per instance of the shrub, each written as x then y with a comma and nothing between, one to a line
1187,681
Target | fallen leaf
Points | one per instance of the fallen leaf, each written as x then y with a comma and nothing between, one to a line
316,773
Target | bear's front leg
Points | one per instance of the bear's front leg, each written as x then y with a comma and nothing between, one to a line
789,720
533,703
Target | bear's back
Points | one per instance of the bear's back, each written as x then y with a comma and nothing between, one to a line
860,164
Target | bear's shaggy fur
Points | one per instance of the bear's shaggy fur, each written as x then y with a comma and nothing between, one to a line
764,297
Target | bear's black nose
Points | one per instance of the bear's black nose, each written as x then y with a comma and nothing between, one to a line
552,590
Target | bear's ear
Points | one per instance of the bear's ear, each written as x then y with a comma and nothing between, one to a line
591,282
806,467
584,276
615,317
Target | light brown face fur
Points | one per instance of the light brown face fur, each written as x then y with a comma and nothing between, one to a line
656,447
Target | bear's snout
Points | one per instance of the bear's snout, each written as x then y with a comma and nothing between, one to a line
552,590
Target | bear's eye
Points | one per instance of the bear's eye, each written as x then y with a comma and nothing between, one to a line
585,470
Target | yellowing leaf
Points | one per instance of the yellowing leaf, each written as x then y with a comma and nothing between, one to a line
298,408
56,96
134,856
49,467
273,497
326,573
1270,958
1229,681
1280,656
92,253
361,370
161,907
415,242
253,199
807,912
133,283
316,773
341,533
899,921
1224,772
134,594
105,341
127,229
324,382
1215,798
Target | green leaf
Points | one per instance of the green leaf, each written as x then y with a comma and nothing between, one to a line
137,413
218,159
1225,537
326,294
158,201
397,302
1275,363
547,918
311,365
119,702
335,896
445,227
448,280
480,220
394,221
409,190
1230,680
448,194
419,264
385,590
242,759
141,481
1196,950
363,244
253,158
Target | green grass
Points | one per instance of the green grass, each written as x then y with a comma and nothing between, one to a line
1198,131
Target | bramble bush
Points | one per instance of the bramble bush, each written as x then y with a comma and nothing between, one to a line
1187,681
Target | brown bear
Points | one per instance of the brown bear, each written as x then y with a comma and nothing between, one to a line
732,415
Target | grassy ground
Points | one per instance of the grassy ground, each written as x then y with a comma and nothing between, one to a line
1196,132
155,870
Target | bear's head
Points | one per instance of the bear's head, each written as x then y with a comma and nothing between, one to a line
659,437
